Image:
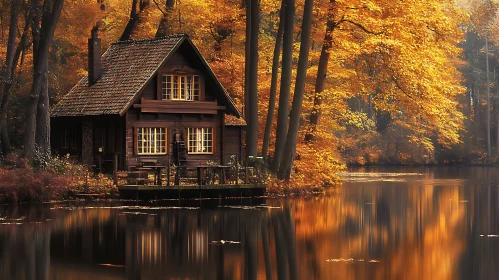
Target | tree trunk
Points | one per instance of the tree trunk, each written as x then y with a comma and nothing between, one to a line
252,128
51,13
135,19
42,137
247,47
320,81
497,122
8,73
273,83
370,106
301,75
164,28
489,152
21,47
477,107
284,92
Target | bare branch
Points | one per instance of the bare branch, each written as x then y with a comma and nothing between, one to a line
159,7
359,26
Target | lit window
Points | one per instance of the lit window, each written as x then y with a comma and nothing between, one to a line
151,140
178,87
200,140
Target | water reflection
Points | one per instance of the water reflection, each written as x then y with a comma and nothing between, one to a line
430,223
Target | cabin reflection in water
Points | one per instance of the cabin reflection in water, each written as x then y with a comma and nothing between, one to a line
109,243
427,227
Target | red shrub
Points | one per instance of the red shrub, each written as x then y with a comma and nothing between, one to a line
26,184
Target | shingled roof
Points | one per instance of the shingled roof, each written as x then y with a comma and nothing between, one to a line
127,67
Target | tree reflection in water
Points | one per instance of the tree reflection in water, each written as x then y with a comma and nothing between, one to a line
432,224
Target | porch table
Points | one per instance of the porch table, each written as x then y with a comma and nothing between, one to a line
156,170
220,169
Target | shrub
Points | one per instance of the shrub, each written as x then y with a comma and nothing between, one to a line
26,184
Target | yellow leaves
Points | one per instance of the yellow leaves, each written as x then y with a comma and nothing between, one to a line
483,14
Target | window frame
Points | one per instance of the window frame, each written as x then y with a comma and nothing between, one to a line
149,128
69,139
65,142
202,141
181,87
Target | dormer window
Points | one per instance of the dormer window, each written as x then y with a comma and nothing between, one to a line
180,87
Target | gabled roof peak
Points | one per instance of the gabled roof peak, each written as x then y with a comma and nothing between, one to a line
147,40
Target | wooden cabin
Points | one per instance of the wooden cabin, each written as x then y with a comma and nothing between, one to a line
147,100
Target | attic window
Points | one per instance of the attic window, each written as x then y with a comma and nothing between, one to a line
180,87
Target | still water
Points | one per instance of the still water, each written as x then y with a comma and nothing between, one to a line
383,223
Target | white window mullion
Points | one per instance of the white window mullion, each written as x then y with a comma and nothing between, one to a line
155,140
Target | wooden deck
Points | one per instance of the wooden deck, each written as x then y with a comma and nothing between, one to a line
151,180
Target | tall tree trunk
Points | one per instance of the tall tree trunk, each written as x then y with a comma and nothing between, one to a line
497,121
370,106
476,96
247,49
489,152
301,75
164,28
469,96
273,82
51,12
320,81
252,128
8,71
21,47
135,18
42,137
284,92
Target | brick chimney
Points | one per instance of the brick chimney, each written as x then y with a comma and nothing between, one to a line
94,53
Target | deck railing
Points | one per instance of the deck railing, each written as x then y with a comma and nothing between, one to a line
233,173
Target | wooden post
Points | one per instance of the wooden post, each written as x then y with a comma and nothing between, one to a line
100,163
237,170
115,169
200,172
246,172
177,177
168,173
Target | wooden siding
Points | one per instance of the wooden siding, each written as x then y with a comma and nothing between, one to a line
174,123
180,107
232,140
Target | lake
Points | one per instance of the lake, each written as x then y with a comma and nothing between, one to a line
382,223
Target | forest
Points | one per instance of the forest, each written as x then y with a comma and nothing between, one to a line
323,84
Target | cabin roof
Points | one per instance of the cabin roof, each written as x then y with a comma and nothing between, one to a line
127,67
231,120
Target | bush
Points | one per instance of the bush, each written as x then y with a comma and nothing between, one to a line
26,184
